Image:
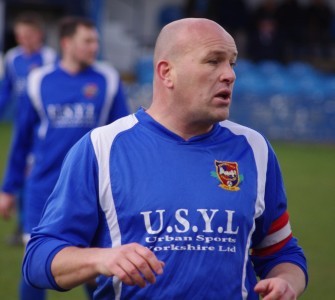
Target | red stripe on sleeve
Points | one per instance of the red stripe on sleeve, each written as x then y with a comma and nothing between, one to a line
279,223
271,249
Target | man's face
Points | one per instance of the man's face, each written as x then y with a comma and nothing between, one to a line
204,77
28,37
83,46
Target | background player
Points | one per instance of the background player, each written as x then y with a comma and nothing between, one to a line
29,54
64,101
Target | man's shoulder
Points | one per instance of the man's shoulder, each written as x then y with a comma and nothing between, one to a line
106,135
37,77
48,54
105,69
47,48
241,130
116,127
13,53
41,72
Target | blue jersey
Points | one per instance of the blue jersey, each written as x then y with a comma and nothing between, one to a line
201,205
17,65
58,110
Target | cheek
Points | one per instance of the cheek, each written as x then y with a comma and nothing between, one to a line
81,50
193,85
89,48
35,40
194,80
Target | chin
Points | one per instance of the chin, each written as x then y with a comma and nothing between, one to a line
222,116
85,64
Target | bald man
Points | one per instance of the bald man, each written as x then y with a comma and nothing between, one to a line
174,201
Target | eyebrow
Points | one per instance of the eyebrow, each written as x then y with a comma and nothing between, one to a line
221,53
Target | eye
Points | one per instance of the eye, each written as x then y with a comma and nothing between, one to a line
233,64
213,61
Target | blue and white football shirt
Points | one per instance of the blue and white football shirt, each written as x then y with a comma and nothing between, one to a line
200,205
17,65
58,110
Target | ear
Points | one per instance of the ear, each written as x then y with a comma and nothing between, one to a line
164,72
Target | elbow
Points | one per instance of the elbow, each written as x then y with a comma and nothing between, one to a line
28,273
36,266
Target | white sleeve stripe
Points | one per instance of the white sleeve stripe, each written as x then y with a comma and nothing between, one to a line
48,55
260,150
34,91
102,139
276,237
10,56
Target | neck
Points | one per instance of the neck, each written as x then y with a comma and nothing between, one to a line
71,66
31,50
178,125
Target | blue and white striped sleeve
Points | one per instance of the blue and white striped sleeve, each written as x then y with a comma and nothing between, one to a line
70,217
273,241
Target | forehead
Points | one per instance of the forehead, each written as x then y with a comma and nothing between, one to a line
23,27
85,32
211,40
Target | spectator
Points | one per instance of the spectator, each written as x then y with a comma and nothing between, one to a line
196,8
64,101
268,9
231,14
234,16
319,20
292,27
266,43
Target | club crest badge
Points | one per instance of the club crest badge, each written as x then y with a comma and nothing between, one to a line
90,90
227,173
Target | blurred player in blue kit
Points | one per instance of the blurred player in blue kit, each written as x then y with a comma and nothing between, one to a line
63,102
30,53
174,201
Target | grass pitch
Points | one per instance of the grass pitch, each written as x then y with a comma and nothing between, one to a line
309,175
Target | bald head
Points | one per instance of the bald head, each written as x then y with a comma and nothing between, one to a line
193,76
179,36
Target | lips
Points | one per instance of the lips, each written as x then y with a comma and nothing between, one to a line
223,94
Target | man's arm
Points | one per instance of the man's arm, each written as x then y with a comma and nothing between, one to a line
58,255
278,259
6,87
285,281
17,161
133,264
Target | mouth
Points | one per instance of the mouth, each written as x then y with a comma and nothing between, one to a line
224,95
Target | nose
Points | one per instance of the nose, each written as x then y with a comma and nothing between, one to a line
227,74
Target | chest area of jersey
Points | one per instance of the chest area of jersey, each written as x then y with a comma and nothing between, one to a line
186,197
21,68
73,101
24,65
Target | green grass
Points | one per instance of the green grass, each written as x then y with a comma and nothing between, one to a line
11,257
308,172
309,175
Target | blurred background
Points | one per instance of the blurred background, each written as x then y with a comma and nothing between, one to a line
285,89
286,67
